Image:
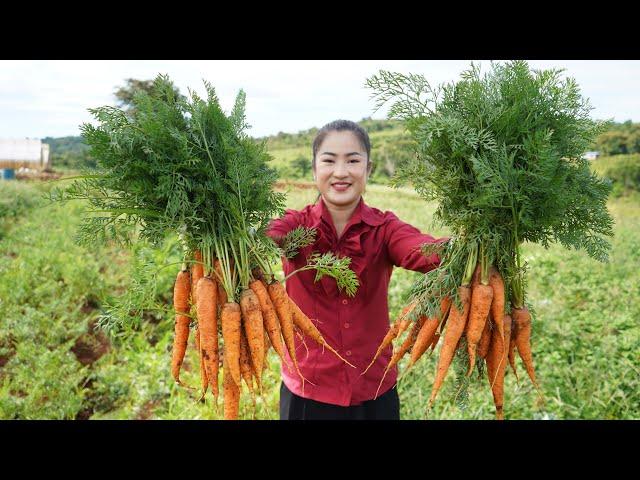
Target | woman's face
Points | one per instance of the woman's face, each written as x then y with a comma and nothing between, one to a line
341,168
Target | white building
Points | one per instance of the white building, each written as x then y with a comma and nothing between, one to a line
591,155
24,152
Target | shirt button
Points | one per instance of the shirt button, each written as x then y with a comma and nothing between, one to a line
344,302
348,352
346,325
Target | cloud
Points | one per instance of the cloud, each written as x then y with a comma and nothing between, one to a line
51,98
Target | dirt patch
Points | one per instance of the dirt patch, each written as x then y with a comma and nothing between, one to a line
145,412
7,350
4,359
89,305
90,346
37,176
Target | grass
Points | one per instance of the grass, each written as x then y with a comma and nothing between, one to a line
52,292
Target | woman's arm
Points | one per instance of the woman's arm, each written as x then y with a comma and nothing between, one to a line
403,244
279,227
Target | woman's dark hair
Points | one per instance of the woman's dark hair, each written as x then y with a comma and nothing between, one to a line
340,126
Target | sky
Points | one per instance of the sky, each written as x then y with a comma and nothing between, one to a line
50,98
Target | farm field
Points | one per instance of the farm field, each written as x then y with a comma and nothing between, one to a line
54,365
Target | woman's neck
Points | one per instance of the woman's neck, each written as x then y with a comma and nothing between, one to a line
340,214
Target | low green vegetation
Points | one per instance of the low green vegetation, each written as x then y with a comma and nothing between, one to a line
55,365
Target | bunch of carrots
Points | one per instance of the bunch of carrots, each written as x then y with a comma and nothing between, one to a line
500,152
264,317
480,326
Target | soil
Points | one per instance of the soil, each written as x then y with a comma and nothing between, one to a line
90,346
37,175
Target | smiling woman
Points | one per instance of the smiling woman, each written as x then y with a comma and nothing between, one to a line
376,242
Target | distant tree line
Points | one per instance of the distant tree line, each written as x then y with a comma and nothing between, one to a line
390,144
619,139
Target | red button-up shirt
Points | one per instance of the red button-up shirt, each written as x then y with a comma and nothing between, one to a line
376,242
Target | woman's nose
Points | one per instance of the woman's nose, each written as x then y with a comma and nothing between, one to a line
340,170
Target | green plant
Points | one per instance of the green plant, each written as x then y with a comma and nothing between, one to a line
501,153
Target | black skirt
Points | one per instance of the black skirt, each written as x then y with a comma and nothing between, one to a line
294,407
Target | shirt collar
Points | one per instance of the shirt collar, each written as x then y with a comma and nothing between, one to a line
362,213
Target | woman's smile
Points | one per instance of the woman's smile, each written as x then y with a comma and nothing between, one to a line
340,186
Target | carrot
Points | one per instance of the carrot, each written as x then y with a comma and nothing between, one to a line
282,305
496,366
512,350
181,291
522,319
399,326
497,304
197,272
445,307
267,346
254,328
425,337
408,342
231,389
207,292
485,339
307,327
245,364
231,325
271,323
455,328
204,380
302,342
412,340
481,296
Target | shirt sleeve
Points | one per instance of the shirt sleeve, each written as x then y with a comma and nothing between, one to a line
279,227
403,244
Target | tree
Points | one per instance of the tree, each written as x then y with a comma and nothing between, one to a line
302,166
124,94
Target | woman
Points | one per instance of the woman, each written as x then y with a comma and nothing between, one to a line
376,242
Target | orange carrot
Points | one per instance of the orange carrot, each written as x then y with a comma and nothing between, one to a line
445,307
425,337
512,349
455,328
496,366
303,343
267,346
415,337
245,364
271,323
522,319
399,326
204,380
307,327
497,304
231,389
231,325
181,291
485,339
408,342
282,305
197,272
481,296
207,292
253,325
